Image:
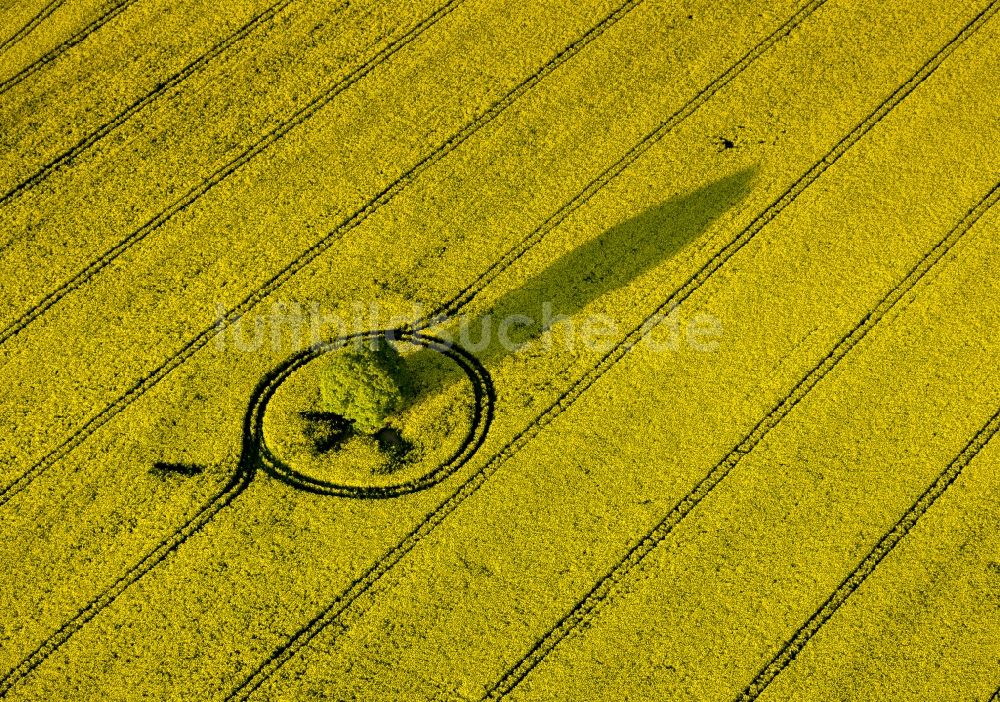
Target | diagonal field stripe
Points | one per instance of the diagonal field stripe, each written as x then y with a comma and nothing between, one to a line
265,142
208,511
588,606
66,631
333,612
30,26
383,198
883,548
64,46
452,306
70,154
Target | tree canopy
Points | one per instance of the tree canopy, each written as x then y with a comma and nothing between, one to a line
365,383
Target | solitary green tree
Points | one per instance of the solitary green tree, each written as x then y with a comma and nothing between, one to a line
365,383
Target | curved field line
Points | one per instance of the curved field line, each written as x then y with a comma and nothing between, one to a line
883,548
301,116
251,458
208,511
243,476
28,28
159,89
483,393
334,611
996,696
383,198
65,45
589,606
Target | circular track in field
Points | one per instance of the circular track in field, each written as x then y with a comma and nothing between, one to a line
442,429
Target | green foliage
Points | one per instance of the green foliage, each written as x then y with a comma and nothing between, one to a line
365,383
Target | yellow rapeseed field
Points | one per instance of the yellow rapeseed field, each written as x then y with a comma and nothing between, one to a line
690,309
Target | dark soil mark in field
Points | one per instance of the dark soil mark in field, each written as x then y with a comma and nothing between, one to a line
724,143
164,469
247,468
391,442
326,430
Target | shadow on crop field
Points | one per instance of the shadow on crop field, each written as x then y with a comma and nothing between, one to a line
610,261
559,293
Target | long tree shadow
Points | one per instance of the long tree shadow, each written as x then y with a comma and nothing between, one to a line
608,262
